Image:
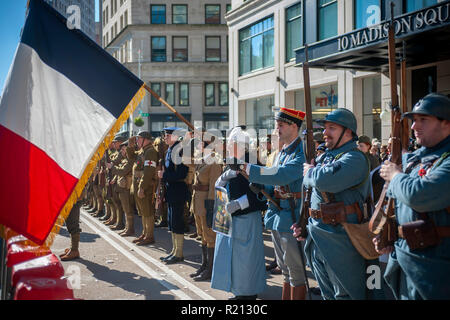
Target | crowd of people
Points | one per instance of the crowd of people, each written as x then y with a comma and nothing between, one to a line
141,174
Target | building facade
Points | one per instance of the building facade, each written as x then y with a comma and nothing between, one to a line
87,14
265,37
180,49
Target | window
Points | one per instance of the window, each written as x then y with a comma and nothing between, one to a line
158,49
156,87
179,49
212,14
413,5
223,94
256,47
184,94
212,49
259,114
367,13
209,94
327,19
228,7
294,30
179,14
158,13
170,93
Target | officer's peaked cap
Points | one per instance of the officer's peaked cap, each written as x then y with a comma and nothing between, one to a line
343,117
433,104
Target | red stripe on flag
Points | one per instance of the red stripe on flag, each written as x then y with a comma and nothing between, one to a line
33,187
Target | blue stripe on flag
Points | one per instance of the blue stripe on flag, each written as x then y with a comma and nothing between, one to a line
80,59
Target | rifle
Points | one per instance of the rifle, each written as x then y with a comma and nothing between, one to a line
383,222
310,149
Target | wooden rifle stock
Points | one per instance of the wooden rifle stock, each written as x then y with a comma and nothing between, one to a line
383,222
310,150
161,189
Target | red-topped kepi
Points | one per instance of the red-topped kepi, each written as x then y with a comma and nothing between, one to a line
290,116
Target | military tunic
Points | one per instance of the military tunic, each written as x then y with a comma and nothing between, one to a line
338,267
422,273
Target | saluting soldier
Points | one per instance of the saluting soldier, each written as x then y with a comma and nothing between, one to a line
419,266
144,183
202,205
284,181
340,186
177,193
123,171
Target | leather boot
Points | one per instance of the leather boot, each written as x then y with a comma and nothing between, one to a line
107,215
178,256
148,232
204,263
286,293
139,238
73,252
172,252
129,230
119,225
207,273
298,293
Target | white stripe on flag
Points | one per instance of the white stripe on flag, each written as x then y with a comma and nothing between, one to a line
53,113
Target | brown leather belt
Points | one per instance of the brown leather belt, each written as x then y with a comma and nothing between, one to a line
198,187
442,232
337,218
286,195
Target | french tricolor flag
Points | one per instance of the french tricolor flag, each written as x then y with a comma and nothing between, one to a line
63,101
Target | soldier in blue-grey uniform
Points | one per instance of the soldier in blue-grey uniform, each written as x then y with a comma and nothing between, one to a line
283,181
340,186
177,193
419,266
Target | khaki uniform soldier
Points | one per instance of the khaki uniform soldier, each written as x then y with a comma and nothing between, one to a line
202,205
115,159
144,183
107,190
123,172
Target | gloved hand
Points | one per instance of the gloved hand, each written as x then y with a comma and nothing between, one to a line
232,206
256,187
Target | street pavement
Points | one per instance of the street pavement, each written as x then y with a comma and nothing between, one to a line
111,267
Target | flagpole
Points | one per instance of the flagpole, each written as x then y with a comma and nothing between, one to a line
153,93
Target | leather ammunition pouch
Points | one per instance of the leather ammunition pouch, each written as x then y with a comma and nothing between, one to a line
335,212
422,234
199,187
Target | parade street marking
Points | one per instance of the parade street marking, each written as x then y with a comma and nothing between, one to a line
171,287
199,292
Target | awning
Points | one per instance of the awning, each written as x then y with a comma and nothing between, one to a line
426,34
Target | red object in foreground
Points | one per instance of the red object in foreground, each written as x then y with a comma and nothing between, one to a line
18,253
43,289
47,266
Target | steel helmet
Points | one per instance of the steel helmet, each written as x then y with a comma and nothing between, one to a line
433,104
343,117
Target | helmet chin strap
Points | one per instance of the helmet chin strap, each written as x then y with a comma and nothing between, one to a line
339,140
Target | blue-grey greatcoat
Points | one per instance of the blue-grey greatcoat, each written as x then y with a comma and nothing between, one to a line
422,273
338,267
287,170
239,260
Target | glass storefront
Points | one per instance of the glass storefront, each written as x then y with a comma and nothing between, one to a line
371,99
324,99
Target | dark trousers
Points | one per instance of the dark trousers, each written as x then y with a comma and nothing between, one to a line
175,217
